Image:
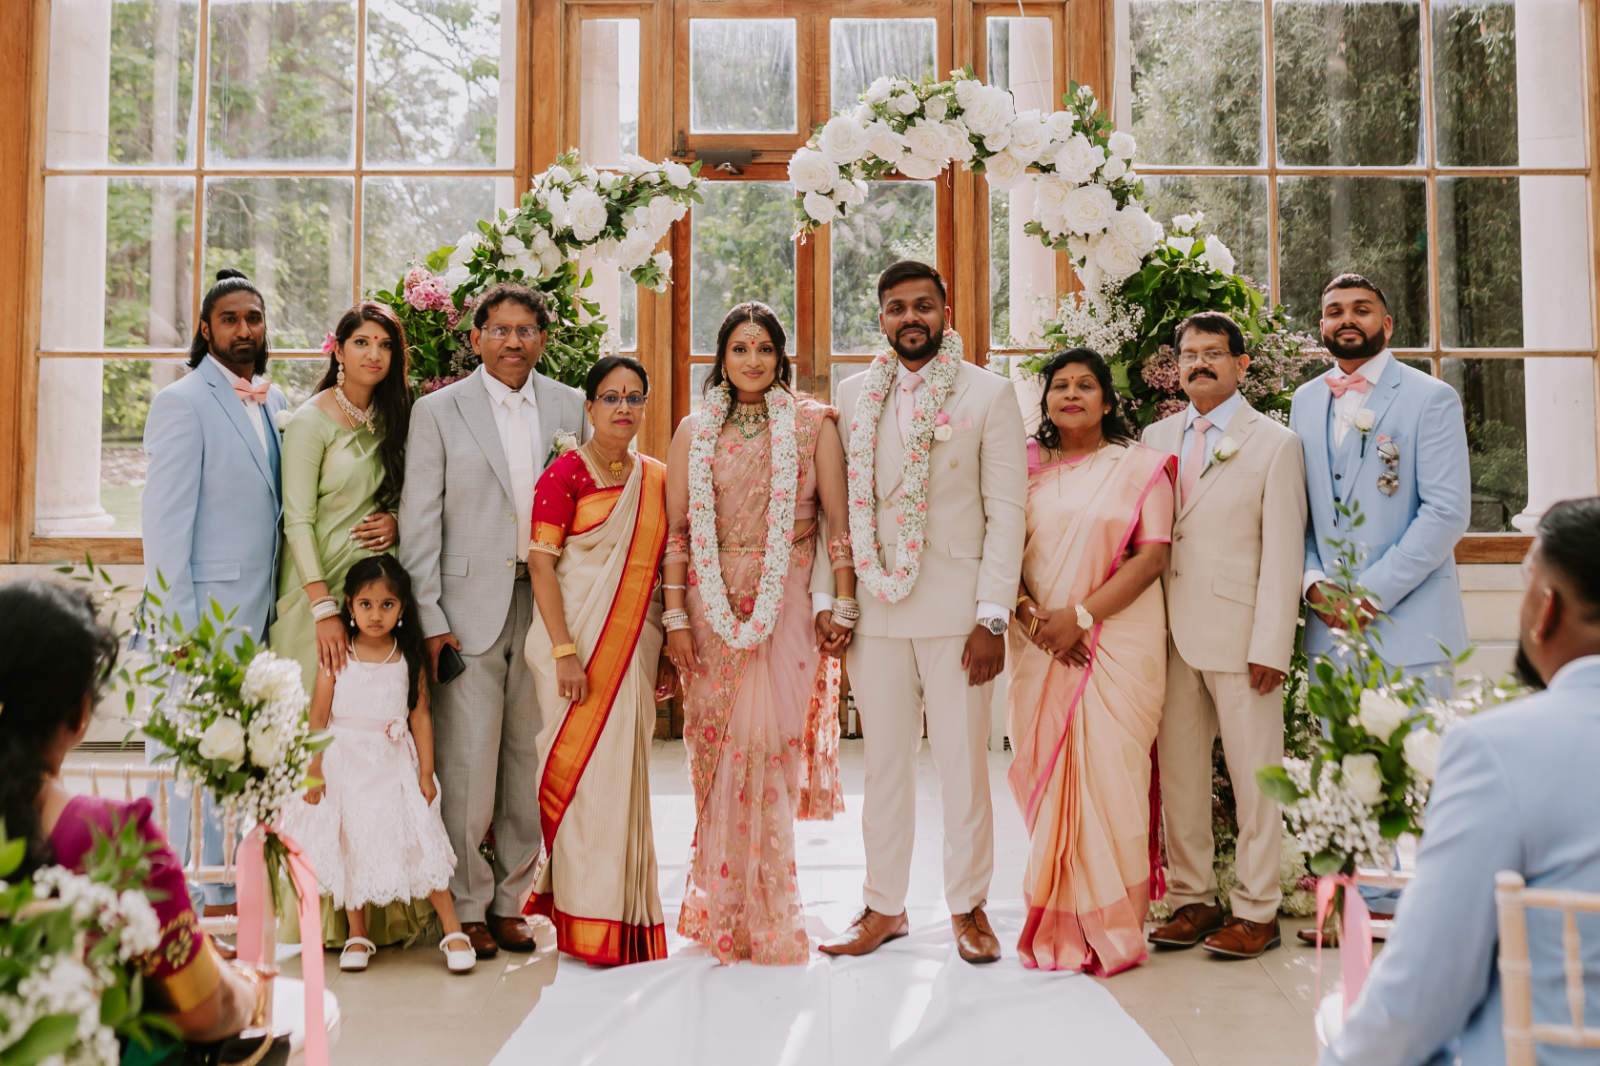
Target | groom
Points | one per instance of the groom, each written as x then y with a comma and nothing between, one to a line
935,600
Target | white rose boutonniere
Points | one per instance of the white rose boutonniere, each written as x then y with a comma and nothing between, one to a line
282,419
941,428
1226,449
562,443
1364,420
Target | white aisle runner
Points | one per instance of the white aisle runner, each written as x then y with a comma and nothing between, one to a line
912,1002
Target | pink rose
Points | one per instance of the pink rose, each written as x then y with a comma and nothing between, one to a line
329,343
395,729
942,420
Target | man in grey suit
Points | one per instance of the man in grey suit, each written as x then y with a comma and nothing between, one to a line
1516,790
475,450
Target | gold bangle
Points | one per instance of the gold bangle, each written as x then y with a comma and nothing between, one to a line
1022,599
561,651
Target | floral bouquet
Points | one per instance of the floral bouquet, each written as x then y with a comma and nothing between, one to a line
615,218
70,989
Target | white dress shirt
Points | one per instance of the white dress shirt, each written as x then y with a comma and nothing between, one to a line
254,413
499,393
1342,418
1218,418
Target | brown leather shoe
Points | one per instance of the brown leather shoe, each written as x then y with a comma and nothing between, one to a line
1189,924
511,933
975,939
1243,939
483,944
867,933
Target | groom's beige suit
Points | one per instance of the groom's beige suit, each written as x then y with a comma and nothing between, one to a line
905,658
1233,598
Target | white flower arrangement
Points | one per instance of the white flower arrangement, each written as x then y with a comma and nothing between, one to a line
563,442
783,487
940,377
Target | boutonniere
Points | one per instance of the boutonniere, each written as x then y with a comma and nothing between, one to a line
941,427
1226,449
1364,421
562,443
282,419
1389,479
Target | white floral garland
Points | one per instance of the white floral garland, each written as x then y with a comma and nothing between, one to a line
940,375
703,546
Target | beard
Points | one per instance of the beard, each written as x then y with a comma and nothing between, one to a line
241,353
1525,670
916,354
1365,348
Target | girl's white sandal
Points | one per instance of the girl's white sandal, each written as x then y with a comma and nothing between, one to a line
351,961
458,959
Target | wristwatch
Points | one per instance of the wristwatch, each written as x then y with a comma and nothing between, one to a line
997,626
1085,619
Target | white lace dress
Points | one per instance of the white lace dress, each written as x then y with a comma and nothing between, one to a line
373,838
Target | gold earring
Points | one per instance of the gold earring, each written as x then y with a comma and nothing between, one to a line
341,375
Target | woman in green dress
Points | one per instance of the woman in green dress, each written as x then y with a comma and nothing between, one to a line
343,463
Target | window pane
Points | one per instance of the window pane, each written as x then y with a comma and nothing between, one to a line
742,76
699,374
1349,81
861,50
298,378
840,371
1373,226
403,219
1020,59
1493,395
122,82
118,262
1197,81
292,236
608,109
740,250
282,81
1235,210
1506,77
898,221
433,82
1022,271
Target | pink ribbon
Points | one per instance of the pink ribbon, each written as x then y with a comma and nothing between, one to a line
252,875
1355,935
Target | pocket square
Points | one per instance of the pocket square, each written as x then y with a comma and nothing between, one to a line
965,422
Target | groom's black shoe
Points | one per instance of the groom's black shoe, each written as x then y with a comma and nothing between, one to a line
512,933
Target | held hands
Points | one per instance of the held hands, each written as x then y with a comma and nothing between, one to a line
571,681
1264,678
376,532
333,645
983,657
832,638
1333,605
1057,634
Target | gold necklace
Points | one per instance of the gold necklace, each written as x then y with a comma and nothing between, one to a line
748,418
613,465
356,415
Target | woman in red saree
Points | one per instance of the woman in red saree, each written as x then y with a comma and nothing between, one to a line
1088,674
599,528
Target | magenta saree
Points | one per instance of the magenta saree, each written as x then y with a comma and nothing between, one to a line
1084,737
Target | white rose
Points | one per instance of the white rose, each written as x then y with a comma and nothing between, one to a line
589,174
678,175
919,167
997,142
1089,209
1121,145
466,245
967,90
820,207
663,211
511,246
1075,160
1116,257
1077,247
1365,420
1050,198
223,739
843,140
637,164
1092,276
852,193
1380,713
269,742
555,202
272,679
282,419
1134,225
928,140
862,113
1226,449
1421,748
635,249
609,178
662,261
904,104
810,171
1362,777
541,243
989,110
958,144
879,90
1216,255
550,261
456,277
884,142
936,108
1113,169
1183,244
586,213
530,264
942,433
1058,124
1028,136
558,175
1003,170
1183,223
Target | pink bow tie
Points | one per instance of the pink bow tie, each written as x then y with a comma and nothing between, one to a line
250,392
1340,385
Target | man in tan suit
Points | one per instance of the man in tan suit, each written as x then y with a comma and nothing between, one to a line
1233,598
934,600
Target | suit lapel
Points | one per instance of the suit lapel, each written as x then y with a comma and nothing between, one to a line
1352,459
473,403
228,400
548,399
1239,427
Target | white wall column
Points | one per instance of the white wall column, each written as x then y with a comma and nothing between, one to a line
1033,266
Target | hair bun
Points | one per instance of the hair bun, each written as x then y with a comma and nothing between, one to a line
228,272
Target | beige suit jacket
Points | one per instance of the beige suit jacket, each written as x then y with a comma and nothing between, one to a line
1233,579
977,488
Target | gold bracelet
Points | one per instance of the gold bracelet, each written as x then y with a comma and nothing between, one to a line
1022,599
561,651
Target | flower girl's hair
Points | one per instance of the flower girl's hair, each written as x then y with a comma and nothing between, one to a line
407,631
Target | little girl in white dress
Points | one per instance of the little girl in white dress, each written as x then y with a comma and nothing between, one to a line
371,828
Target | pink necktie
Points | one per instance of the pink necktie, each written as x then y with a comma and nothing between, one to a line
1195,461
906,403
251,392
1339,386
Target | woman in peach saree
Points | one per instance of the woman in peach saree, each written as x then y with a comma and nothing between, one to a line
1088,674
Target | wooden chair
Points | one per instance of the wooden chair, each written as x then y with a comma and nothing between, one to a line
1512,898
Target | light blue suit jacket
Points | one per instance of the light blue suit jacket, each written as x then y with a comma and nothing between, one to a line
212,500
1408,539
1516,790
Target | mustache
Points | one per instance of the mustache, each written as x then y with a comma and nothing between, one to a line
1202,373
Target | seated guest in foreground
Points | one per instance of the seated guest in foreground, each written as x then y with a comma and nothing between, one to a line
1088,672
599,529
1516,790
54,656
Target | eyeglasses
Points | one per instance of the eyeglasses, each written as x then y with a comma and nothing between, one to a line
611,399
524,333
1210,355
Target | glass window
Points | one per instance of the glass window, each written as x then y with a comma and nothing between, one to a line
1235,210
608,107
403,219
1493,396
699,374
1197,70
838,372
740,250
862,50
742,76
898,221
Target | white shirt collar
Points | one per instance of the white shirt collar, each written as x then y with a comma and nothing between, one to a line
1220,415
1373,369
1577,665
499,390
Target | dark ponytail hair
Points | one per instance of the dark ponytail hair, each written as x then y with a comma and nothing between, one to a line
228,281
54,657
1112,427
391,397
407,632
